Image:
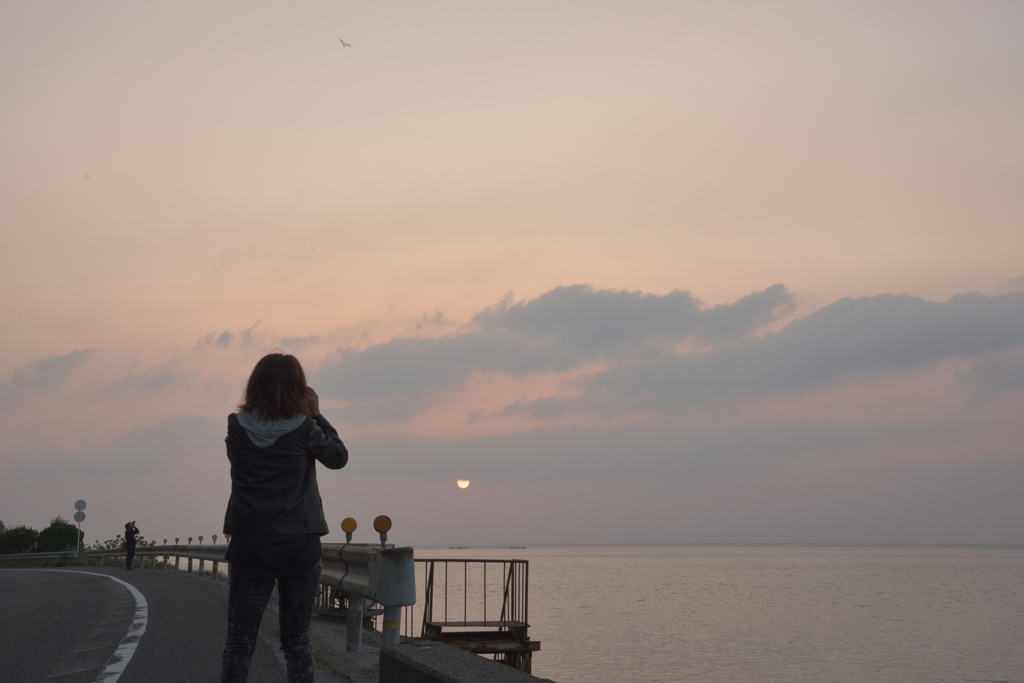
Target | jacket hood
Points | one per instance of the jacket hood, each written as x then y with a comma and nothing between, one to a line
264,433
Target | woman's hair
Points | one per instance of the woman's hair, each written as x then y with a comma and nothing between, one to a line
276,389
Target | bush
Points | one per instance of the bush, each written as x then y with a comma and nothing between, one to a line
60,535
116,543
18,539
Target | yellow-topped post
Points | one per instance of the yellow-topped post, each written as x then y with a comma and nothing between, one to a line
390,633
348,525
382,525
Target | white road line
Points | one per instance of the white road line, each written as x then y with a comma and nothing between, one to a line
123,654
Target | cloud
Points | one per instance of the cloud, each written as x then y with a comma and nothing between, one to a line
437,320
759,481
153,379
560,330
161,448
631,451
391,410
865,337
248,335
43,376
297,343
668,353
993,376
603,322
223,339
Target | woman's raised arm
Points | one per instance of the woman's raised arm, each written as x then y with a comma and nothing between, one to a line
326,445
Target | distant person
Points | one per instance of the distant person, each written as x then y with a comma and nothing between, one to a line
131,533
275,516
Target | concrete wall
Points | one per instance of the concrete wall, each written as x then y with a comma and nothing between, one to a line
433,662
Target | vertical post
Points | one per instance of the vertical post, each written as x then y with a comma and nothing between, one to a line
190,565
354,625
526,591
78,538
215,566
202,567
165,561
177,558
391,632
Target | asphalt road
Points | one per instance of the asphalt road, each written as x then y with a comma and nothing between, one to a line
63,626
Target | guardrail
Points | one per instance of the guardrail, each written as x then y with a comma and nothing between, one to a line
204,553
213,553
368,574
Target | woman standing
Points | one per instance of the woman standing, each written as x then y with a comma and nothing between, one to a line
275,516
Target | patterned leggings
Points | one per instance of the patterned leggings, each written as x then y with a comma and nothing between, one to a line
246,604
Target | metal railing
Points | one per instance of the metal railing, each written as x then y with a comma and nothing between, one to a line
447,581
478,605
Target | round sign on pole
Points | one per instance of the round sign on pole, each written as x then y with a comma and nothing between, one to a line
382,524
79,505
79,516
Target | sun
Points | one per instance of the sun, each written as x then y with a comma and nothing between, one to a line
462,483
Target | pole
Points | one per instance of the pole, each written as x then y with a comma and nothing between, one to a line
78,539
354,625
391,631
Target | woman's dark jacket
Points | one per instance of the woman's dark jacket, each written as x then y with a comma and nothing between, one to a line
273,489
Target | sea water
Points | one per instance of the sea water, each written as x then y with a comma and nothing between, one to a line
757,614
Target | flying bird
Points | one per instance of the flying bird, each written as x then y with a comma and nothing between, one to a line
344,44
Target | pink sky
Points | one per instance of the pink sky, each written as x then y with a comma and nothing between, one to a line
496,236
